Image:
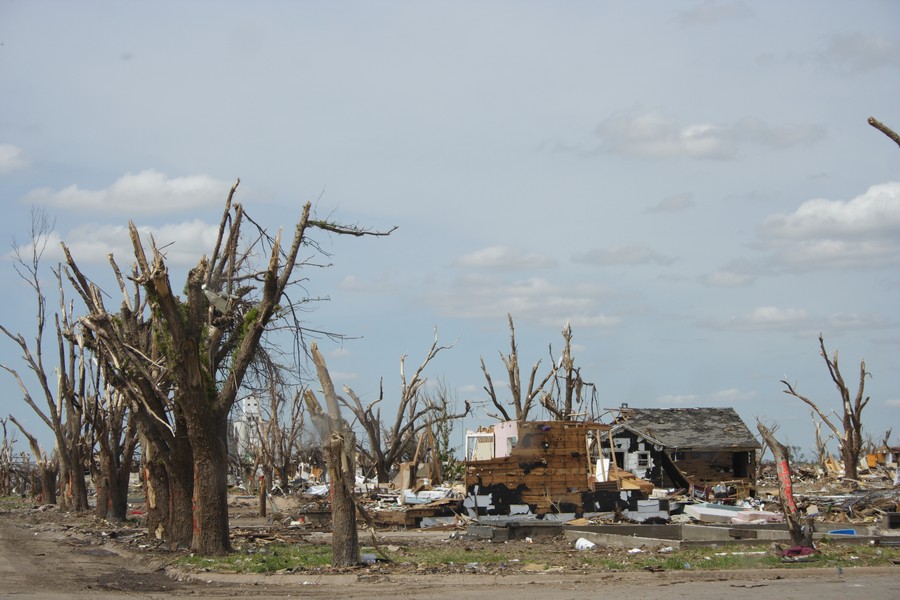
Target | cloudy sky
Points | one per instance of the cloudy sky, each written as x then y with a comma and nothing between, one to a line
693,185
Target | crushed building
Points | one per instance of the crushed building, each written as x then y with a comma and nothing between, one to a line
543,467
696,448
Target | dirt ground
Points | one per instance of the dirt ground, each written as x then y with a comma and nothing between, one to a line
50,554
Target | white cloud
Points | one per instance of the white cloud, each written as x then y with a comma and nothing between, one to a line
147,192
737,273
12,158
651,134
799,321
710,12
344,376
672,204
726,397
769,318
626,254
855,322
537,299
677,399
181,243
862,232
384,283
860,53
504,257
731,396
892,402
727,278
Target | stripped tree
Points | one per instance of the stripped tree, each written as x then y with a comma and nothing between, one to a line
62,412
208,339
340,444
800,536
521,400
126,346
849,435
568,384
280,431
389,444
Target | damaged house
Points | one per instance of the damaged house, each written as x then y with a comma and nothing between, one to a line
542,467
690,448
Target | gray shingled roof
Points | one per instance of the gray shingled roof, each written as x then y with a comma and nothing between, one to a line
698,428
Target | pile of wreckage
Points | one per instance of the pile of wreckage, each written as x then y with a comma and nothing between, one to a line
682,467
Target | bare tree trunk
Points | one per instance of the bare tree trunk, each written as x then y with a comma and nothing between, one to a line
156,493
49,475
211,486
345,542
800,536
101,492
341,444
48,467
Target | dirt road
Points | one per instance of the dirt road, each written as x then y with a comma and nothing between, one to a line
52,560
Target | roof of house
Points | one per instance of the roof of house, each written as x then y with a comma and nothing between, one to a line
690,428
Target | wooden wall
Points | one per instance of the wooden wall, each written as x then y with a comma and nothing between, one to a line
548,467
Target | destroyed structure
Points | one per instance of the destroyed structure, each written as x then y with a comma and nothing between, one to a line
543,467
701,449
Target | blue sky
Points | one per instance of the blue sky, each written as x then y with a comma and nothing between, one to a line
693,185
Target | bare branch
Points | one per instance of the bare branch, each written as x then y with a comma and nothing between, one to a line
885,130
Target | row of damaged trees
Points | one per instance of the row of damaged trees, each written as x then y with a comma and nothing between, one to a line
166,370
163,369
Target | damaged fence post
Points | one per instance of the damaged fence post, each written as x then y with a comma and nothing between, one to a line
262,496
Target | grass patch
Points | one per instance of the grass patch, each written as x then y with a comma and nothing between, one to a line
741,558
273,558
11,502
266,559
705,559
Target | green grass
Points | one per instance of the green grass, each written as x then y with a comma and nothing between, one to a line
742,557
280,557
705,559
11,502
266,559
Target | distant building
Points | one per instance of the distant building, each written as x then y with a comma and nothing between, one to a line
245,429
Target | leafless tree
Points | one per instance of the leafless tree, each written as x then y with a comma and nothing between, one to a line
521,400
47,465
63,411
849,435
445,447
6,460
568,384
126,346
280,431
821,442
388,443
115,435
207,341
764,448
340,443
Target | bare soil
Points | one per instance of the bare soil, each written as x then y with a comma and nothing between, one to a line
46,553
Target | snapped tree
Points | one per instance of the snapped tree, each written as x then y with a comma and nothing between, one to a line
207,340
521,400
390,443
849,435
63,402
